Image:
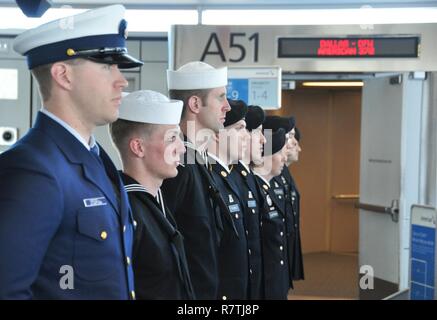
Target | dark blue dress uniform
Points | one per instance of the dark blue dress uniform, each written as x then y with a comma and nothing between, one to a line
188,196
62,206
159,261
292,197
275,244
250,195
233,251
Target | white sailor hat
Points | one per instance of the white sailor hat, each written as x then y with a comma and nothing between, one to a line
149,106
197,75
98,35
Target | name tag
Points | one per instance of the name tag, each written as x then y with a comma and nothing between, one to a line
234,208
273,214
95,202
251,204
279,191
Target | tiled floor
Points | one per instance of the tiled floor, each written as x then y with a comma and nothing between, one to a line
328,276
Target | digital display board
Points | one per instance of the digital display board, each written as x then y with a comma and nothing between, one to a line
349,47
259,86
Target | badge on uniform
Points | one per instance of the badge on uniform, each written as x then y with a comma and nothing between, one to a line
273,214
269,200
95,202
251,204
279,191
231,199
234,208
276,185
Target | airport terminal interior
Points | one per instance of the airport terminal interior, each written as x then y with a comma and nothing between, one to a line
358,76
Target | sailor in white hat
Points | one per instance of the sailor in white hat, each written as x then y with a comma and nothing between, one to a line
192,194
65,225
147,136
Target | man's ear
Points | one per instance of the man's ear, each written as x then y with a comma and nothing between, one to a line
62,75
136,146
194,104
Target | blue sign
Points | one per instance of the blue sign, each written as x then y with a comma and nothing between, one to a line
260,86
238,89
422,262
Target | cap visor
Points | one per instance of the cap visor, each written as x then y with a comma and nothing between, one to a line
123,61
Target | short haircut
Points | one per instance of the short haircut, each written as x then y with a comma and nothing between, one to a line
185,95
122,130
43,76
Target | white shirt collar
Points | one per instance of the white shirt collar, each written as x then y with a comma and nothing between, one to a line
245,166
70,129
220,162
262,178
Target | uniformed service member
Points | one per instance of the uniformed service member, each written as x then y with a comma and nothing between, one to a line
273,218
224,150
284,183
147,136
293,199
249,191
65,225
192,194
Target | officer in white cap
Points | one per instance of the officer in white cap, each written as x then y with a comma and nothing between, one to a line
66,230
192,196
147,136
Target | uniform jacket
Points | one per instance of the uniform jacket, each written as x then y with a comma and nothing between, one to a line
293,210
188,197
252,202
62,208
233,251
159,262
274,244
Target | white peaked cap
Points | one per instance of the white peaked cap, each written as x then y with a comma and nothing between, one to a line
197,75
148,106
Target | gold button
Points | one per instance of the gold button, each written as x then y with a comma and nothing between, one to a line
281,248
265,187
281,233
224,174
103,235
128,260
280,197
132,294
236,216
70,52
250,252
250,271
244,173
253,210
282,262
124,228
224,298
135,224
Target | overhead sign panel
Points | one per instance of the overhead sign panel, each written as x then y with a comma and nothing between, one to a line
349,47
259,86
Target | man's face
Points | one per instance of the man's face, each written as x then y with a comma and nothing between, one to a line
212,115
257,141
164,149
236,138
278,161
96,91
292,143
294,156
